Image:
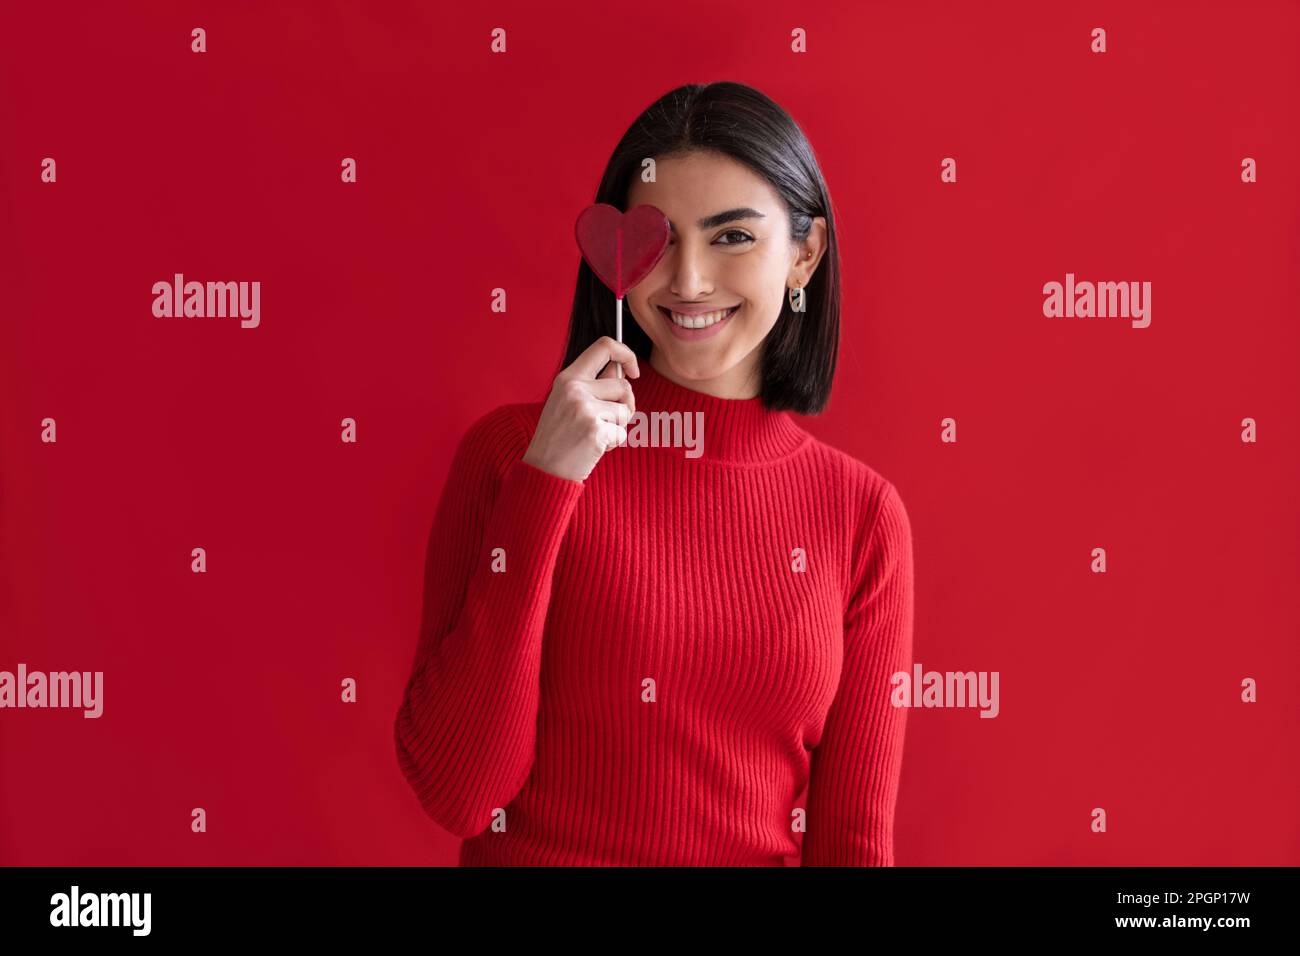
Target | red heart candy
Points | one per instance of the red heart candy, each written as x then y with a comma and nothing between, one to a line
622,248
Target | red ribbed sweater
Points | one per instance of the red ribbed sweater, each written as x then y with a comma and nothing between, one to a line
650,680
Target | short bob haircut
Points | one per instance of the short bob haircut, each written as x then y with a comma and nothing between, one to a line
799,353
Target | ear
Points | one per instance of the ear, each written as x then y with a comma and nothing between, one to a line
809,253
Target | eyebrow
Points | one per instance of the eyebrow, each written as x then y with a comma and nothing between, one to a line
720,218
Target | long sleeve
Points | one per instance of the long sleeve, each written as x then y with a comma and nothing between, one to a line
854,775
466,729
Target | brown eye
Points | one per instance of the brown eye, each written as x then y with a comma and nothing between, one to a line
744,237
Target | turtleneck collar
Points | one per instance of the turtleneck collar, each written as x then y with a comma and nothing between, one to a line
735,430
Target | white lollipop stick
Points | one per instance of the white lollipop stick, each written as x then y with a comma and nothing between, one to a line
618,334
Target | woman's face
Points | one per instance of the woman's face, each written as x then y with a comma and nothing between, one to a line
728,266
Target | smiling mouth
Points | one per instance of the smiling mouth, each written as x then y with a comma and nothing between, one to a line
702,321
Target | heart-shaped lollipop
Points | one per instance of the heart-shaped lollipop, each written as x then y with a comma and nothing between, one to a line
622,248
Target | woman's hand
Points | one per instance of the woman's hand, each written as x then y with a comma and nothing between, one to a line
586,414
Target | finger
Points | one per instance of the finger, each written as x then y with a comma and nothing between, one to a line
611,435
612,369
604,351
612,390
615,412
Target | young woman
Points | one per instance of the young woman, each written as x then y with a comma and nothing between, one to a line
639,652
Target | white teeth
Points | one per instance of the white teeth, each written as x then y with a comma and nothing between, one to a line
700,321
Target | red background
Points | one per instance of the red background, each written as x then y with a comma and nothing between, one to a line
221,690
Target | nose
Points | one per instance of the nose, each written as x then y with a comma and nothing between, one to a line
689,265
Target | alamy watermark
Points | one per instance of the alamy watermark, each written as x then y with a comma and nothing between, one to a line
198,300
102,909
667,430
1100,300
946,689
72,689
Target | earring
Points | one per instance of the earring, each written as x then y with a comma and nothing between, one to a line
797,295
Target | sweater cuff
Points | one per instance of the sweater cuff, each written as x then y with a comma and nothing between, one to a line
536,504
